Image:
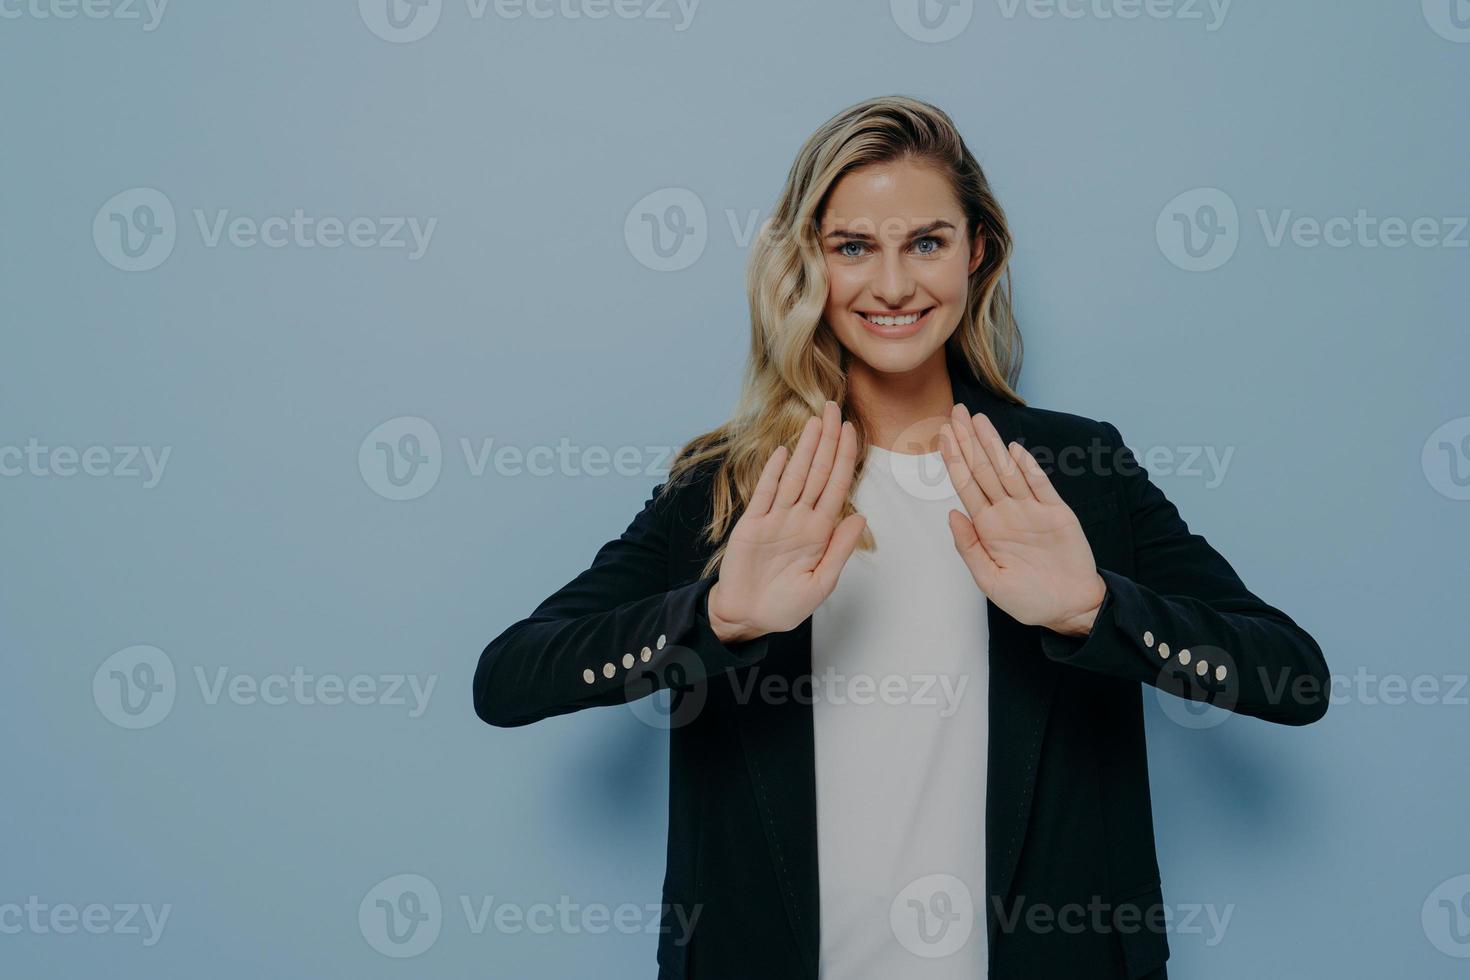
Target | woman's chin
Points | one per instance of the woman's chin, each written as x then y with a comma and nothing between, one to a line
894,357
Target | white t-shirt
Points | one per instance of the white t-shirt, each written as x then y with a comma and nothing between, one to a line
900,668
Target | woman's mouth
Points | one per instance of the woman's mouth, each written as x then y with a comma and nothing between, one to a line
895,326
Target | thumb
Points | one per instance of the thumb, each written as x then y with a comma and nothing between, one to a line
967,543
840,547
963,530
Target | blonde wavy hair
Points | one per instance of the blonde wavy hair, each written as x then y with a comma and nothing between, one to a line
796,362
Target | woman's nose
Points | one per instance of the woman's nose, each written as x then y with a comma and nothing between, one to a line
894,283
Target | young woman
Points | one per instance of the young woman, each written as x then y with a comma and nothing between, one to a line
906,648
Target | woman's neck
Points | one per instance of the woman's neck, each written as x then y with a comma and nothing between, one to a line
904,412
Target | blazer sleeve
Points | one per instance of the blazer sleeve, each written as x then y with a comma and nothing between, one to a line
1185,606
614,633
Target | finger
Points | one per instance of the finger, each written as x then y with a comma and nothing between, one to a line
1000,457
765,487
982,567
840,547
794,478
960,475
829,505
1035,475
816,478
975,457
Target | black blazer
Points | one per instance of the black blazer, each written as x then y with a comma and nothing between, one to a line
1068,821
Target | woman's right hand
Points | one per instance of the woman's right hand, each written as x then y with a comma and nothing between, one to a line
788,547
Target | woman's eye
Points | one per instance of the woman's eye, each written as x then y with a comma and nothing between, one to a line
936,242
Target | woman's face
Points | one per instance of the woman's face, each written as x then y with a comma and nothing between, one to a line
893,237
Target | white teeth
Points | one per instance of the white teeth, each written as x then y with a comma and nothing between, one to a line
892,321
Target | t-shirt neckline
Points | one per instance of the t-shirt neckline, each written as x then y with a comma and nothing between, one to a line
889,452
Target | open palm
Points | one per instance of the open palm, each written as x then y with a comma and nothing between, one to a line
788,548
1022,543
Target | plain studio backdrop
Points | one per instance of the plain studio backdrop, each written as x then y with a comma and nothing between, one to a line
336,336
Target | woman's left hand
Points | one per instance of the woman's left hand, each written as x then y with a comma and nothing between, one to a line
1023,545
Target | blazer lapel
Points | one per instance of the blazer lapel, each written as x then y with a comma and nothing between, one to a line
1022,687
780,749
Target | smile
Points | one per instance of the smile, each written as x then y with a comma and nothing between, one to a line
896,326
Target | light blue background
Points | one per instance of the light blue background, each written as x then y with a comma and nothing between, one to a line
530,319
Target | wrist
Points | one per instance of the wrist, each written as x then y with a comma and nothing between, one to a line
726,630
1080,624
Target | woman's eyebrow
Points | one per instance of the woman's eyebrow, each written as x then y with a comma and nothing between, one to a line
865,237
